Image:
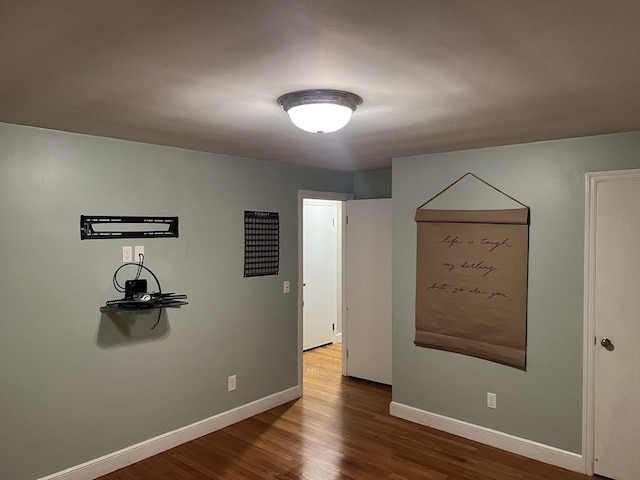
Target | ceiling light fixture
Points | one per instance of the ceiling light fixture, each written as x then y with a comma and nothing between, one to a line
320,111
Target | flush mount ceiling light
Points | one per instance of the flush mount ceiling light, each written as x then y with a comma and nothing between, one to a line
320,111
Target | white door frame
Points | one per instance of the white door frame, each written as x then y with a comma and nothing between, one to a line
588,352
341,197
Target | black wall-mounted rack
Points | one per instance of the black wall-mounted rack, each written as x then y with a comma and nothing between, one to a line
136,295
88,232
147,301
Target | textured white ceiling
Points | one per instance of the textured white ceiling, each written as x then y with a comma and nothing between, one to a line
435,75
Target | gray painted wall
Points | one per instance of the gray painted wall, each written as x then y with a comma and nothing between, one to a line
544,403
76,384
372,184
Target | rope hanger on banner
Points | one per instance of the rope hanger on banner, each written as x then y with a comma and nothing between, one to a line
477,178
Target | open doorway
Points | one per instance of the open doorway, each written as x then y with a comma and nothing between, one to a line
321,247
322,266
364,271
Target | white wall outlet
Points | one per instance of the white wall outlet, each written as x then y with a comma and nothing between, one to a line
286,286
137,251
127,254
491,400
231,383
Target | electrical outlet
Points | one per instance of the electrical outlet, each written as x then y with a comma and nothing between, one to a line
231,383
286,286
492,400
137,251
127,254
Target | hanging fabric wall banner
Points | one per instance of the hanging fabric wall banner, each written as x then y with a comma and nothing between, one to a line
471,284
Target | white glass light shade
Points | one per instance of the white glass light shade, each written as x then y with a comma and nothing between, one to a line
320,117
320,111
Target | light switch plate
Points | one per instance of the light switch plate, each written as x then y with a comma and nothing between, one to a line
491,400
286,286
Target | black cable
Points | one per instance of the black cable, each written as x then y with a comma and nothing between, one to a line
140,263
116,285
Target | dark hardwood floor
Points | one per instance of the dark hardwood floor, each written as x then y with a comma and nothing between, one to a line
340,429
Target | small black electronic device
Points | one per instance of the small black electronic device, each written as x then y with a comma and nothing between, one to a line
132,287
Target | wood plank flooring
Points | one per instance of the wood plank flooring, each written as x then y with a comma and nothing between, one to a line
340,429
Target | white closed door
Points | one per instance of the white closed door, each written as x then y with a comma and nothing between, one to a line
617,326
320,267
368,290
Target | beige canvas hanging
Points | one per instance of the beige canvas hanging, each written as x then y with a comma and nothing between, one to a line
471,285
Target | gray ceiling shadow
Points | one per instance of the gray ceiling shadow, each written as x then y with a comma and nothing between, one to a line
125,327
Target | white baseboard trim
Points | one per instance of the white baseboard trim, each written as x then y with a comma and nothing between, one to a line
337,338
494,438
129,455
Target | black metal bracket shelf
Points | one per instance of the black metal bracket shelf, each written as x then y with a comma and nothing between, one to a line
137,298
109,308
145,301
